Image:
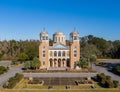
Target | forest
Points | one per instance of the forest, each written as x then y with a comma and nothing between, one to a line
90,45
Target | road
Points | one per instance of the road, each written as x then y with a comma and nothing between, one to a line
59,74
104,70
12,71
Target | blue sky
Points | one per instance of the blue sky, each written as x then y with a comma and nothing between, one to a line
25,19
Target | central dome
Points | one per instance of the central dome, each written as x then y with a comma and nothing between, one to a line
59,33
59,37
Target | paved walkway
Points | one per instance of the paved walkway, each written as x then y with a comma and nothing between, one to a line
59,74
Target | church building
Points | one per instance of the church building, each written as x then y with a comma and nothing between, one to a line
59,54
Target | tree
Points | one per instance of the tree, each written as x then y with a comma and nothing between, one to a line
93,58
50,42
36,63
23,56
83,62
88,50
116,83
27,64
32,50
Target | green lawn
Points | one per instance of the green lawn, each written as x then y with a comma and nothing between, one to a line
59,90
22,87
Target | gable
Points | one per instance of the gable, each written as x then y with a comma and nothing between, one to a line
59,46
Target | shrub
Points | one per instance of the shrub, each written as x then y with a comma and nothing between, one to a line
106,81
108,77
13,81
116,83
3,69
35,81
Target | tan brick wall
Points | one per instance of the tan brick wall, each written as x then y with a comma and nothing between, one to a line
45,59
72,58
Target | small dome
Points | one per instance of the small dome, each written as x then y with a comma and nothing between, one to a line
59,33
43,32
74,33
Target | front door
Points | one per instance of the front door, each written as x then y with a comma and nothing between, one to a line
51,64
59,63
68,63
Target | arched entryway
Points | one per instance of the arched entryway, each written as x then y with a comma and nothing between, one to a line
59,62
63,62
51,63
68,63
55,62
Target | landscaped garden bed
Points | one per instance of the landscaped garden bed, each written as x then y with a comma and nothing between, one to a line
35,81
12,82
106,82
3,69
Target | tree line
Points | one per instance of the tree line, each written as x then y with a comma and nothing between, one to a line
90,45
100,47
19,50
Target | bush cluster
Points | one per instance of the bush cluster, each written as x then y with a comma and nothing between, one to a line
101,63
13,81
35,81
106,81
116,70
3,69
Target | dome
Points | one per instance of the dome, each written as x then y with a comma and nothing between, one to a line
59,33
44,32
74,32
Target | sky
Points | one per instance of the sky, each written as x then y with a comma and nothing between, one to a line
25,19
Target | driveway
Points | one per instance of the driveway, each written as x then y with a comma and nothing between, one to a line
59,74
104,70
12,71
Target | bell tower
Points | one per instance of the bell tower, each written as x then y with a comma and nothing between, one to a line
44,48
74,48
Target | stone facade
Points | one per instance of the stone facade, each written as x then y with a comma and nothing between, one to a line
60,54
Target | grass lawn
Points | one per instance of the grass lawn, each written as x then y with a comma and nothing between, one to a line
22,87
59,90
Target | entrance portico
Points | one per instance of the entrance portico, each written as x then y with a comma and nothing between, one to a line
58,62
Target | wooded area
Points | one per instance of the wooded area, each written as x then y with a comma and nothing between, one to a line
28,49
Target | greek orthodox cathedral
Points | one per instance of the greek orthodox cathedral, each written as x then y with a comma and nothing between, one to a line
59,54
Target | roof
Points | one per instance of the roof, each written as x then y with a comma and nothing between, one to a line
59,47
74,32
59,33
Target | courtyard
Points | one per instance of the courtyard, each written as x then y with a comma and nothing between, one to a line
56,83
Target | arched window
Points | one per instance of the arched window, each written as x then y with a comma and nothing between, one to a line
56,39
51,54
75,53
59,53
63,53
43,38
75,37
46,37
43,47
43,53
55,53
